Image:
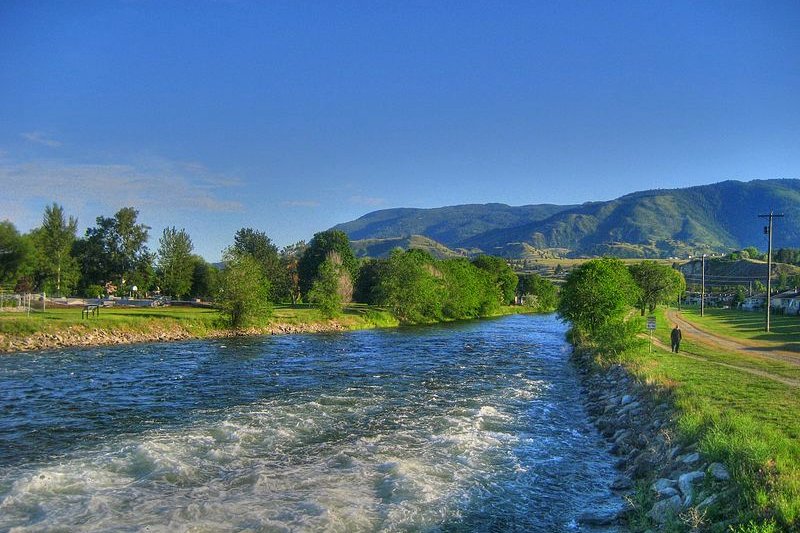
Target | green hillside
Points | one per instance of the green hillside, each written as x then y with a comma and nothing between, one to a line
384,247
659,223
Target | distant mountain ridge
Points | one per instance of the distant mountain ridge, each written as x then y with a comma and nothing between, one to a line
656,223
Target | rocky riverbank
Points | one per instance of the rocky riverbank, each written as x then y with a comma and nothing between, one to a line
77,336
668,484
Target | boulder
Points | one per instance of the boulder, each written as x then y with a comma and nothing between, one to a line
663,510
690,458
719,472
685,484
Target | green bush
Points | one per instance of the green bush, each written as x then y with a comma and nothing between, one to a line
93,291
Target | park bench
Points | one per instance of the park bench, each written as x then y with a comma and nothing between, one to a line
90,309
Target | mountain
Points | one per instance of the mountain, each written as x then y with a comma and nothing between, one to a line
658,223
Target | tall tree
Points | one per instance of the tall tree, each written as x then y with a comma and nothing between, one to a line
115,250
56,238
318,251
204,278
260,247
325,292
657,283
175,265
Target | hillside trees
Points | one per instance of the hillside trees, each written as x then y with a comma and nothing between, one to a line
658,283
175,267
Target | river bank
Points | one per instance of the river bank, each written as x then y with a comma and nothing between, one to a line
667,481
131,326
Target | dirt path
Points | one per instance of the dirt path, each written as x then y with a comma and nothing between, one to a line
753,371
727,343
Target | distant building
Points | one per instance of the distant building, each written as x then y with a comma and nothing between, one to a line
786,302
754,303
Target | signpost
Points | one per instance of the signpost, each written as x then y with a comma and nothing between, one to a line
651,325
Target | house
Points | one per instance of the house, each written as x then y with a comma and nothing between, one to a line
786,302
754,303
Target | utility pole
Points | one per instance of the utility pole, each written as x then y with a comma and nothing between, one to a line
703,288
768,231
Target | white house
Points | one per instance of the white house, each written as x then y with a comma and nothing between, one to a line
786,302
754,303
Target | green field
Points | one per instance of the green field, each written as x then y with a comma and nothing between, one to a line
746,421
748,326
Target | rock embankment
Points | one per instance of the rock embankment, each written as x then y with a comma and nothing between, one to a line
666,482
80,336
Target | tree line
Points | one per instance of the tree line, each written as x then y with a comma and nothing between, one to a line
112,259
598,294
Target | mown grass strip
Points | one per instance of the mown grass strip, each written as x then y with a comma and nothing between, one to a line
748,422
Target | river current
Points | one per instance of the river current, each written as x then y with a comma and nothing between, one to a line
477,426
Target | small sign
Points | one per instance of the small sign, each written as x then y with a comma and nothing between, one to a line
651,322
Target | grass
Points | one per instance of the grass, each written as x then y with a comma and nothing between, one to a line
748,326
136,319
739,358
747,422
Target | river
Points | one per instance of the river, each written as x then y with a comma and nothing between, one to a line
475,426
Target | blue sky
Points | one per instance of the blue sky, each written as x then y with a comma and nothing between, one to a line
291,117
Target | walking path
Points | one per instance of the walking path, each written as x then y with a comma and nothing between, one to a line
729,344
753,371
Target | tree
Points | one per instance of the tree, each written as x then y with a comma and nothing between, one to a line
596,293
412,287
13,251
115,249
537,292
204,278
370,273
657,284
501,273
325,293
175,263
244,292
469,291
318,249
260,247
56,237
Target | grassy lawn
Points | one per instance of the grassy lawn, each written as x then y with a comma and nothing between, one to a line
748,422
197,321
748,326
739,358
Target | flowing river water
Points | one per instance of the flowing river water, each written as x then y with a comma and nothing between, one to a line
476,426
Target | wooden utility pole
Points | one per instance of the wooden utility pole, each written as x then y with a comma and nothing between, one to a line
768,231
703,288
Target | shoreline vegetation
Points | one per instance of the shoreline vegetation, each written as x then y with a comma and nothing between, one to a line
63,328
706,438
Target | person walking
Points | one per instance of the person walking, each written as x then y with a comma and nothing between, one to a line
676,337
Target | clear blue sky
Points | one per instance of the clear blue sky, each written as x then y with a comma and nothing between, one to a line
293,116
